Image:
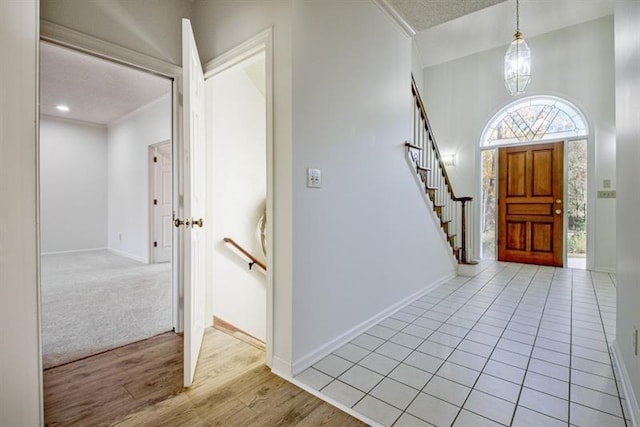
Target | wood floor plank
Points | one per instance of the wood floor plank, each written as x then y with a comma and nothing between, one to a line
141,385
176,411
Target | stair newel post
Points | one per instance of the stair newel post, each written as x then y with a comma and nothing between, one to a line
463,249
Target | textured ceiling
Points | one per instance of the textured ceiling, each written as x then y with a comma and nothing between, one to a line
96,90
494,26
423,14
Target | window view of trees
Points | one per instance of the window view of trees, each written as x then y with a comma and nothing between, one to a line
489,175
576,200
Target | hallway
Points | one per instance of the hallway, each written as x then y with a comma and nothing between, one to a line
517,345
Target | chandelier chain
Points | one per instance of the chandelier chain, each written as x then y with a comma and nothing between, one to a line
517,16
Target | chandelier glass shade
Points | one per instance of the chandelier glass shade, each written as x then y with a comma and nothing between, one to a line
517,61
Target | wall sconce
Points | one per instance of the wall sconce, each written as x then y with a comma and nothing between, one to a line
449,159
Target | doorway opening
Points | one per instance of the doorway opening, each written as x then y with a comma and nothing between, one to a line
237,128
529,121
101,285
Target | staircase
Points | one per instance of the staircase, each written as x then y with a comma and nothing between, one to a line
451,210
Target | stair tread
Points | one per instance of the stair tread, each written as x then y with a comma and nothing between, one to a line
421,168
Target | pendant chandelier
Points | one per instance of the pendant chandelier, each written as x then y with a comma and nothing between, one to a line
517,61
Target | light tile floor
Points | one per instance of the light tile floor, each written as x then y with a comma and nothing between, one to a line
516,345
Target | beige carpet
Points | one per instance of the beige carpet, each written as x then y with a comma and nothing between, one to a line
95,301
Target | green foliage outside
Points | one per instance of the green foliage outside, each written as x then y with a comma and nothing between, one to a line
576,200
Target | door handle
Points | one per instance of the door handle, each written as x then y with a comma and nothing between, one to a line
199,223
558,211
178,222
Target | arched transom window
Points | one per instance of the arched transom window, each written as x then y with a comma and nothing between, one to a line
534,119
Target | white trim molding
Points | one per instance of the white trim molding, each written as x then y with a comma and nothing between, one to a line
400,22
306,361
64,36
259,42
621,372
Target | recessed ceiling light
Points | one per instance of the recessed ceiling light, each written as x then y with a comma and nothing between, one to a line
62,108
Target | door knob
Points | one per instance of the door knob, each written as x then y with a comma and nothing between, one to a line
178,222
199,223
558,201
558,211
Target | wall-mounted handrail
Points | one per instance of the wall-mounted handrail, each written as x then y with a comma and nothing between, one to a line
252,260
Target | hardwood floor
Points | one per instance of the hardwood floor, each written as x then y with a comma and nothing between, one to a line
141,385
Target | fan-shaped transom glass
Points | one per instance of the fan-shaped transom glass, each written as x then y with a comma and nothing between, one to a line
535,119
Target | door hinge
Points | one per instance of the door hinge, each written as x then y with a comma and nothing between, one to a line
155,244
155,201
155,159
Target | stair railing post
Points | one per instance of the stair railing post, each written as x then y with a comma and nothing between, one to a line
463,249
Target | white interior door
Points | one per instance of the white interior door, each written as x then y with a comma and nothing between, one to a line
194,203
162,207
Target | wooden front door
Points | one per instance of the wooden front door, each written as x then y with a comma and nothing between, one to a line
530,204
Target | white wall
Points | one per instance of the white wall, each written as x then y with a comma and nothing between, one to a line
220,25
73,186
128,174
20,362
365,240
576,63
416,66
236,119
627,54
151,27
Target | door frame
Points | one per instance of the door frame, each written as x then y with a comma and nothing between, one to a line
591,211
152,183
262,42
81,42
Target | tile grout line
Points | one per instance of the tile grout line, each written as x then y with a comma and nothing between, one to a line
526,369
462,339
453,308
496,345
570,352
401,361
615,378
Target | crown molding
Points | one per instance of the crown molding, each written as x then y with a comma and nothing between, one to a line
400,22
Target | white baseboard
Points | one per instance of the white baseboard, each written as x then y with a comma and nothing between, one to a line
630,396
327,399
128,255
328,348
280,367
74,251
470,270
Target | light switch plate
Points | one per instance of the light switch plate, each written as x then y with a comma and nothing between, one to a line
314,178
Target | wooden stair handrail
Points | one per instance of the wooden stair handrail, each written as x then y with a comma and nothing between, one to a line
449,201
253,260
427,125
